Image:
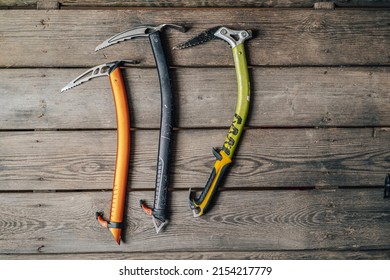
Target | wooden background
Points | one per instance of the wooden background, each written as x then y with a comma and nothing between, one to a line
307,179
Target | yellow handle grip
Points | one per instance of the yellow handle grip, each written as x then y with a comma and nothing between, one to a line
200,205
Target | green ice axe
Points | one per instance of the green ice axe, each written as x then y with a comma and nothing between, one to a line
224,155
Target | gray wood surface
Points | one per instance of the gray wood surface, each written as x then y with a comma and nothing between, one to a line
267,158
307,179
264,220
204,97
282,37
198,3
354,254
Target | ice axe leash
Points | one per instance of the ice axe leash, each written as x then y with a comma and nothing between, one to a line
113,71
236,39
158,212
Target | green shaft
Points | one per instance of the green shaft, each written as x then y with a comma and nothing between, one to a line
243,98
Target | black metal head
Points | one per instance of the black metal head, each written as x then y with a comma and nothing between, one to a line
201,38
232,37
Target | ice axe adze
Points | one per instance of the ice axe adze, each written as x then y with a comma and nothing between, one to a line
158,212
236,39
113,71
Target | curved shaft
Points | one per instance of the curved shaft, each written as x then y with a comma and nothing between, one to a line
123,151
160,196
243,99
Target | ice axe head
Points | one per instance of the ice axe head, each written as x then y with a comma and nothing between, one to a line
140,31
97,71
232,37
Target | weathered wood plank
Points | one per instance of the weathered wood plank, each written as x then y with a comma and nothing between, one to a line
200,3
217,255
18,3
267,158
263,220
47,4
281,97
283,37
324,5
227,3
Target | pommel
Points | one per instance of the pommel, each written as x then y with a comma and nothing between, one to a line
196,210
98,71
140,31
158,225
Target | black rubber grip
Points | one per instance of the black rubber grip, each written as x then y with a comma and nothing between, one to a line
160,196
206,189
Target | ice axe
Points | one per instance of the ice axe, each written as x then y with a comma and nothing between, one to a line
113,71
158,212
224,155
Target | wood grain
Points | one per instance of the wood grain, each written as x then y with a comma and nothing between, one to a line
203,98
198,3
40,223
282,37
307,179
82,160
227,3
215,255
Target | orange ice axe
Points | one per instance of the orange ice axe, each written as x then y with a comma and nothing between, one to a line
113,71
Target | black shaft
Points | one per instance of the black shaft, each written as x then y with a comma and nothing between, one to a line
160,195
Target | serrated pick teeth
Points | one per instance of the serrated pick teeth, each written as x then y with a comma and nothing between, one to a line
201,38
106,44
67,87
71,85
188,45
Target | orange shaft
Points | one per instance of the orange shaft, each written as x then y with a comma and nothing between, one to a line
122,153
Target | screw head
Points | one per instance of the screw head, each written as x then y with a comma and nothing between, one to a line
244,34
223,31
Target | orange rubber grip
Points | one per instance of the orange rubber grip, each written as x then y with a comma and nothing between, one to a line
122,153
